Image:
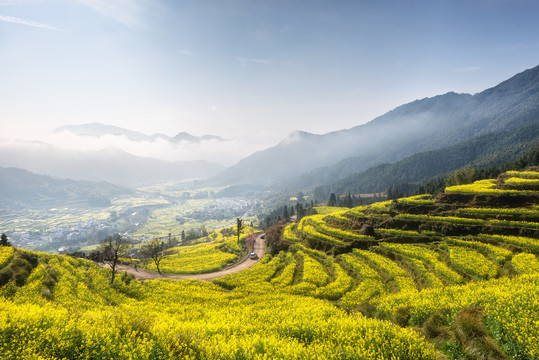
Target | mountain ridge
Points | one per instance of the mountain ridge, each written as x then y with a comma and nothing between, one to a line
492,149
96,129
21,188
421,125
110,164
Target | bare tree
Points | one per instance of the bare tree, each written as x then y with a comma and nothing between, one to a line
153,249
112,248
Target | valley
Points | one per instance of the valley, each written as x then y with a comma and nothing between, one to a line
150,213
414,236
260,180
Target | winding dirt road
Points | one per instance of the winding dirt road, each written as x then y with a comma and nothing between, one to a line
243,264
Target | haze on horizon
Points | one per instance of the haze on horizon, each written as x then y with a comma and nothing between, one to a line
248,71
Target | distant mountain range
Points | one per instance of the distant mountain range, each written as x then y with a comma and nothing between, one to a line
97,130
420,126
415,141
23,189
111,165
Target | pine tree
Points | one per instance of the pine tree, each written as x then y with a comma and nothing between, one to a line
332,200
4,241
300,211
348,202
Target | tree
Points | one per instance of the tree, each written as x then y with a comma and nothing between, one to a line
250,241
153,249
183,235
332,200
113,247
462,176
300,212
171,241
274,240
239,227
203,231
4,241
349,203
285,212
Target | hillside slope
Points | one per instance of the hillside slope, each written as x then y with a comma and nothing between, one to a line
110,165
419,126
455,277
492,149
23,189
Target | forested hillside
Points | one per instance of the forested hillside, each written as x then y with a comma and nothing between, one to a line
484,151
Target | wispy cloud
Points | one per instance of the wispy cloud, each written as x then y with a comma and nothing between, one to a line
16,20
246,61
19,2
467,69
184,52
126,12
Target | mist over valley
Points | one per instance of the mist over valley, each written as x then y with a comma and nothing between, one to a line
269,179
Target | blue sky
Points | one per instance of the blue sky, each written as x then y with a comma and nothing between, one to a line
248,70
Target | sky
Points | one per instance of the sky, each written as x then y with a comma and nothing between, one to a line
250,71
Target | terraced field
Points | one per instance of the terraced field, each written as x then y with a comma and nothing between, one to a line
455,277
420,245
210,254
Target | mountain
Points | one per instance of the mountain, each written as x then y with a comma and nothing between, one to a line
111,165
183,136
23,189
493,149
97,130
419,126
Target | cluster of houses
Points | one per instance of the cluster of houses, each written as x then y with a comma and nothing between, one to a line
57,237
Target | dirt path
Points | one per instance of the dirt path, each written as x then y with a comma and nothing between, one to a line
244,264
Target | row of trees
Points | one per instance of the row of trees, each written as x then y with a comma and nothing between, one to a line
299,212
347,200
113,247
286,212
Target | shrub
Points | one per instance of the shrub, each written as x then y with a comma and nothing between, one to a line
401,317
434,327
472,336
19,269
6,275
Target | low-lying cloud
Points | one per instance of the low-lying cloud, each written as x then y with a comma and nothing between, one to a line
226,152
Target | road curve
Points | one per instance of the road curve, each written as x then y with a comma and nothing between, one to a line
246,263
